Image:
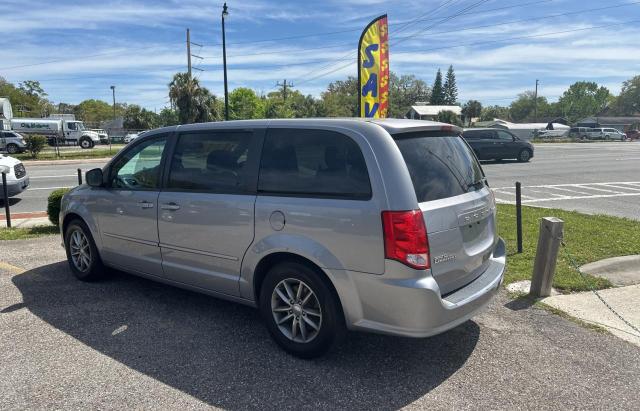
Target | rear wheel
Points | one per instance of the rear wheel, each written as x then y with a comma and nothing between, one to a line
82,253
524,156
301,312
12,148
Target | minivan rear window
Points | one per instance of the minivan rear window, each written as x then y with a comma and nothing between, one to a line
441,165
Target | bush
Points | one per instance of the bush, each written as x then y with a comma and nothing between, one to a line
53,205
35,144
449,117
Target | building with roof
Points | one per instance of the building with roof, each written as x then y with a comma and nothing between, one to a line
423,111
623,124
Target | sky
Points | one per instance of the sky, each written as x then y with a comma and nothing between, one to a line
498,48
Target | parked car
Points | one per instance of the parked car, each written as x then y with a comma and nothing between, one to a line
579,133
633,135
17,178
497,144
102,134
323,224
605,134
12,142
130,137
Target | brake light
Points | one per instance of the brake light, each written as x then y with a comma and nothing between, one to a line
405,238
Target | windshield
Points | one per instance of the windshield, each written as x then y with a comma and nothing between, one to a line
80,125
440,165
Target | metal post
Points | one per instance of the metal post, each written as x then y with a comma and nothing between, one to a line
113,90
535,103
5,190
544,267
519,216
79,176
224,64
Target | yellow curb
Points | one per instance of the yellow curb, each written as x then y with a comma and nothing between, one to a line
10,267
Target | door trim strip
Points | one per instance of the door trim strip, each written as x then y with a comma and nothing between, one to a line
191,250
135,240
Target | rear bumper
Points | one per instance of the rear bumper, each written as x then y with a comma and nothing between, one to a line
408,303
15,187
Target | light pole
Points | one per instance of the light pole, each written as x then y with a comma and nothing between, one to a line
113,91
224,64
535,103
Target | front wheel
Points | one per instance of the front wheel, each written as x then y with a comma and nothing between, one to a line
12,148
82,253
301,312
86,143
524,156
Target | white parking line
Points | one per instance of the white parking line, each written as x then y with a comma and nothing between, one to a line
624,188
582,197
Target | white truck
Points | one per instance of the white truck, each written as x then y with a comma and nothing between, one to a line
57,131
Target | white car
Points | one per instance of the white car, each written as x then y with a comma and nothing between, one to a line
130,137
17,178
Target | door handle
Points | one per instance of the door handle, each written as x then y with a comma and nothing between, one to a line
145,204
170,206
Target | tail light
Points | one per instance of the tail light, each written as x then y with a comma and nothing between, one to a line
405,238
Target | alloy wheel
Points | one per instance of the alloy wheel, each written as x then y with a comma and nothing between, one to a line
80,250
296,310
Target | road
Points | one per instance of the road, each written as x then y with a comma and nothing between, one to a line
597,178
591,178
129,343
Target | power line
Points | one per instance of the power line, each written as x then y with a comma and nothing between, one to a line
433,25
487,42
328,33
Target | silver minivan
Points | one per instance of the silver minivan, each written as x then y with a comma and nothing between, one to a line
325,225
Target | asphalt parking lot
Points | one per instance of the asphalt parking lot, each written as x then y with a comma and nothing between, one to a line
127,342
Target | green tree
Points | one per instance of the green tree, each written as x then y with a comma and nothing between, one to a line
341,98
28,99
583,99
245,104
168,117
193,102
138,118
523,108
437,91
628,102
304,106
471,109
491,113
449,117
450,88
95,111
405,91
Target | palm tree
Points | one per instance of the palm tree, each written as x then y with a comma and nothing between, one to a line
193,102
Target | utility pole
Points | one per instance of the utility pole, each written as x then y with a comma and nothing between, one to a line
284,86
224,64
535,104
113,91
188,53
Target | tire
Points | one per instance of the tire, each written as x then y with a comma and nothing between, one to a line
86,265
320,308
12,148
86,143
524,156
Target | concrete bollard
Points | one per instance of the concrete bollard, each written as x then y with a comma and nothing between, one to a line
544,267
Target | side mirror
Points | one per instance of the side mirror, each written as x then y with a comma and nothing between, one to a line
94,177
5,169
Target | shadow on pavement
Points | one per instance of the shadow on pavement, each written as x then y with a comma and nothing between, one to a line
220,353
12,200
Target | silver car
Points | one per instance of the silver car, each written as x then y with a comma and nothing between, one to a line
325,225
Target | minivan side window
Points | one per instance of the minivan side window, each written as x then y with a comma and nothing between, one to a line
139,168
210,161
313,163
504,136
